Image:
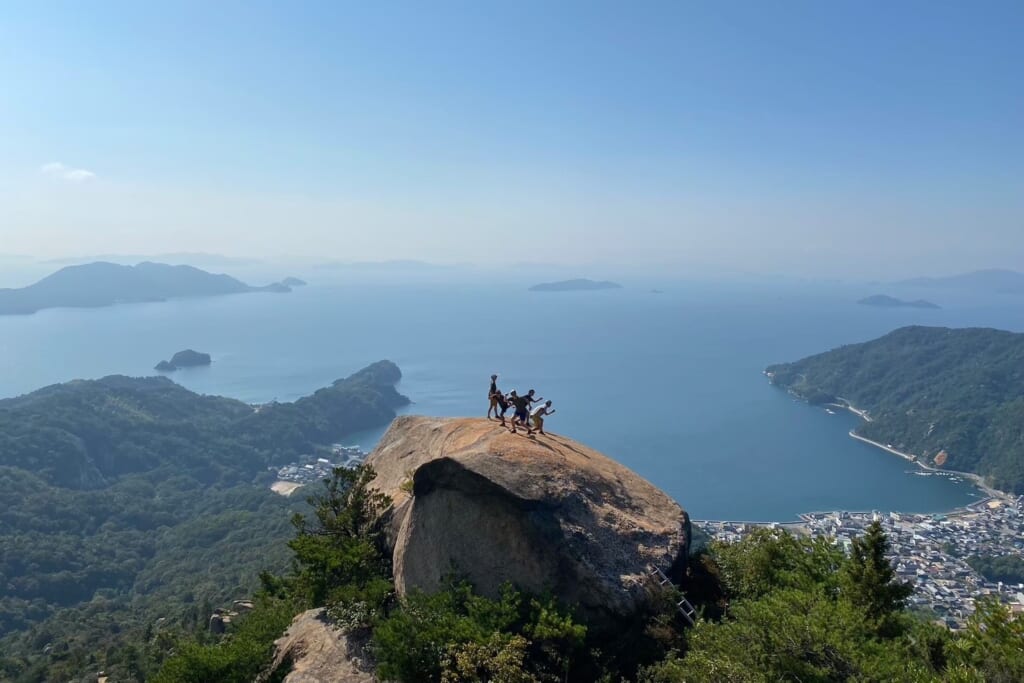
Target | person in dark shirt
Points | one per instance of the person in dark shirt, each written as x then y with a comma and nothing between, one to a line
532,395
492,397
501,401
522,410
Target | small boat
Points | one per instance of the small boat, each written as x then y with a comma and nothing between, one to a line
830,411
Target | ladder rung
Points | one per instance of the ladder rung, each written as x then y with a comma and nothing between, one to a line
685,608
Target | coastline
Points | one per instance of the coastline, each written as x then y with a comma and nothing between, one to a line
976,479
862,414
889,449
842,403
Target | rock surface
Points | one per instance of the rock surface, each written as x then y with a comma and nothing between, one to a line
545,513
318,652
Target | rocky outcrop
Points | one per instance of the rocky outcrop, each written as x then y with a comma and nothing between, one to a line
544,513
313,650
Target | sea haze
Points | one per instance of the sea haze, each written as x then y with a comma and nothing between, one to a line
670,384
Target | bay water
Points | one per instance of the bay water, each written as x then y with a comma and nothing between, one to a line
668,382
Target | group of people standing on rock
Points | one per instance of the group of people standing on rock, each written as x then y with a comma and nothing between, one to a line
525,413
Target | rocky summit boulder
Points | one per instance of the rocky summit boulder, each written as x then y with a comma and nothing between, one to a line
313,650
545,513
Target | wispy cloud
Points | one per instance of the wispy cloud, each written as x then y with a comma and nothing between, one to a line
56,169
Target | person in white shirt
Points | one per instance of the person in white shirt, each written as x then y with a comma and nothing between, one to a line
538,416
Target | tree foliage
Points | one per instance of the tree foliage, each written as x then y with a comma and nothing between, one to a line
130,507
238,658
338,552
1005,568
456,635
868,578
802,611
336,557
991,648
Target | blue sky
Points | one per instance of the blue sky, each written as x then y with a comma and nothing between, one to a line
804,137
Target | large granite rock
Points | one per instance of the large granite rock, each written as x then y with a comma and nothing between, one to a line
545,513
315,651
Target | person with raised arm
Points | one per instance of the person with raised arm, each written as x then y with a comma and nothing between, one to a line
538,415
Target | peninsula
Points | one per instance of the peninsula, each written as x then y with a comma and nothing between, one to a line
184,359
578,285
883,301
951,398
105,284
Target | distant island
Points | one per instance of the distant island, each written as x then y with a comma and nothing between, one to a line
293,282
184,359
994,280
951,398
578,285
883,301
104,284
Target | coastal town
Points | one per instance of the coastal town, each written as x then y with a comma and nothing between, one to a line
928,551
310,469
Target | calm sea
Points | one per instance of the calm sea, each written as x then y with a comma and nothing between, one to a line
668,383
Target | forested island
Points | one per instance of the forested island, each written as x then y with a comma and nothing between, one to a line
104,284
577,285
883,301
130,507
954,398
184,359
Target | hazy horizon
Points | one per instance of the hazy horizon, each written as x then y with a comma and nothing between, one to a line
808,140
19,270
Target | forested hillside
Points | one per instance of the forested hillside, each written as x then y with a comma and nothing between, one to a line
772,607
953,397
132,505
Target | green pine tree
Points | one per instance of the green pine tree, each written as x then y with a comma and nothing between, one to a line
869,579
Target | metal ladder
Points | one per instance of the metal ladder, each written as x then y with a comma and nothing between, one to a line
688,611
